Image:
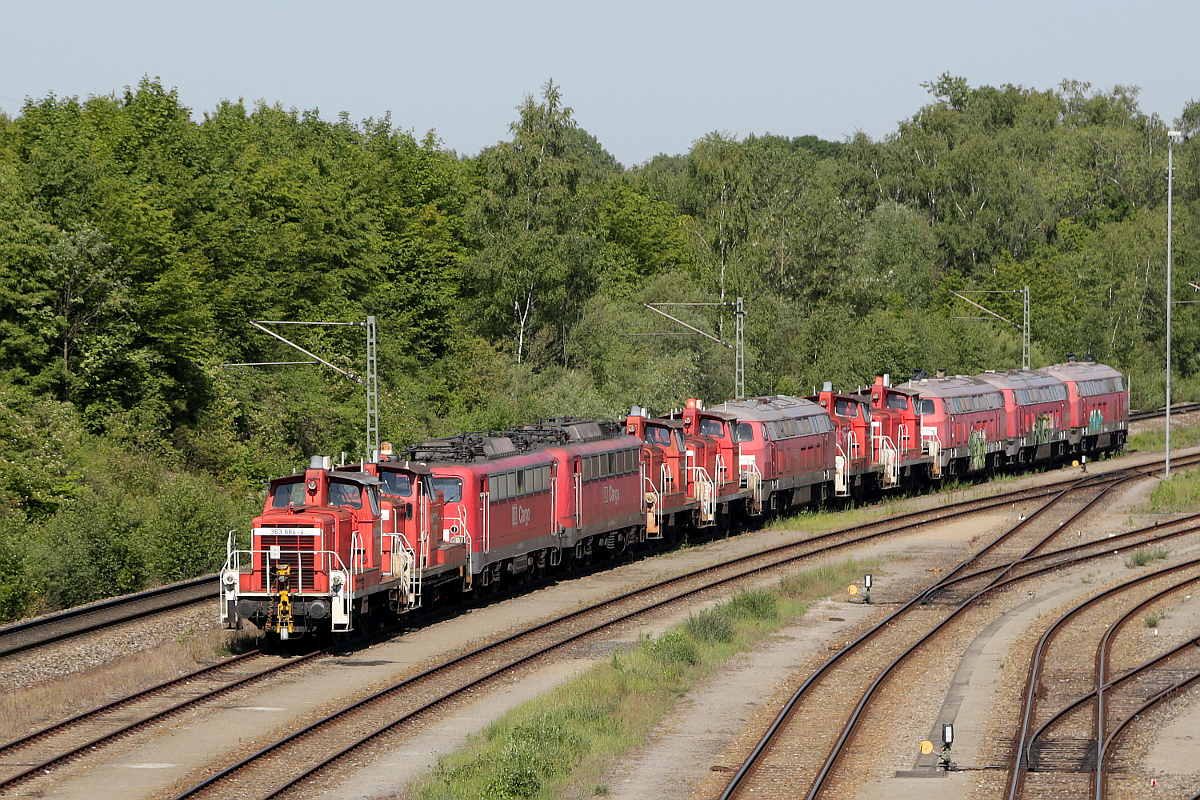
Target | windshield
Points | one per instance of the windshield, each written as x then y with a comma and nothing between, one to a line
288,494
395,483
745,432
450,487
656,434
346,495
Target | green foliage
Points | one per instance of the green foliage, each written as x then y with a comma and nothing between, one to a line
1180,494
759,605
1143,556
674,647
709,625
136,243
19,589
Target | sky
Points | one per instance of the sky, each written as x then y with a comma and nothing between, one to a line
644,77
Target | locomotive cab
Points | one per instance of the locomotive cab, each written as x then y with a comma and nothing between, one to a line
315,555
664,470
410,541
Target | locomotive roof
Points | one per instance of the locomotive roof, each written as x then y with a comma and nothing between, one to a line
350,473
1018,378
396,462
765,409
1081,371
950,386
465,448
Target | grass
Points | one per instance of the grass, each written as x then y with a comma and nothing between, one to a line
1156,441
1143,556
1152,619
561,744
1179,494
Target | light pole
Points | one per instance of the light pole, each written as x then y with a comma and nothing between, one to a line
1172,136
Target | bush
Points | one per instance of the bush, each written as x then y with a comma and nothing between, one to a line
535,750
673,647
94,550
753,604
19,590
710,625
188,529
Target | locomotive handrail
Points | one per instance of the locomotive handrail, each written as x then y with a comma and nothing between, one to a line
486,517
465,534
399,542
704,484
649,489
329,561
668,477
400,546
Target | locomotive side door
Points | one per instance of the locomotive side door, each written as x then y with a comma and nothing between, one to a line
485,514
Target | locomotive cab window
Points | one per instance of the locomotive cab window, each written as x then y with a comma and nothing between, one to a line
897,401
845,408
346,495
713,428
288,494
658,435
745,432
396,483
451,488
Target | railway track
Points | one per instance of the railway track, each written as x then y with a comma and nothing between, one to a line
84,738
1077,700
787,756
1177,408
273,771
73,622
42,751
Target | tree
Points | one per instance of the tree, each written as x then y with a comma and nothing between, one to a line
89,290
532,221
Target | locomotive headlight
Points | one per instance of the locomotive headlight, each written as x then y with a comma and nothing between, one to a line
229,579
336,580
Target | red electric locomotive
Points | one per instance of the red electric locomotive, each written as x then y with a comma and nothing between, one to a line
523,499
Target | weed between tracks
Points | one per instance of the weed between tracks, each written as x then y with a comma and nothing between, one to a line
1144,556
561,743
